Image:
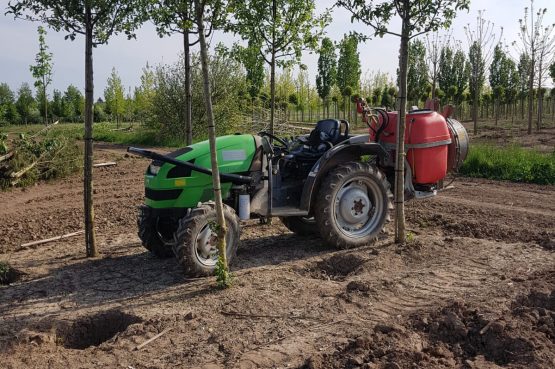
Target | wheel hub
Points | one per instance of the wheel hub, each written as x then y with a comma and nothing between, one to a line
206,244
353,205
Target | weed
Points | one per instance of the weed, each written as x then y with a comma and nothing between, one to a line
224,278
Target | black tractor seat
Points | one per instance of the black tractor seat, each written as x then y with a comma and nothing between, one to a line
323,137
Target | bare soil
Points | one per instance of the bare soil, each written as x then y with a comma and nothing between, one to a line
475,288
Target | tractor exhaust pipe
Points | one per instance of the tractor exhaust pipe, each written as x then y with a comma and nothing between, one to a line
224,177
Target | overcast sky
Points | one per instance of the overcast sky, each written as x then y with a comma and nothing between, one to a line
19,45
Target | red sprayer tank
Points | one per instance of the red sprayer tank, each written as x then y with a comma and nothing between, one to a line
426,141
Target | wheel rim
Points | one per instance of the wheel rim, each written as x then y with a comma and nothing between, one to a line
357,207
206,245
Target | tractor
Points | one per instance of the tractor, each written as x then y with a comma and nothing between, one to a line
329,183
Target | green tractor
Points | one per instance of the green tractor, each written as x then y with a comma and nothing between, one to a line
328,183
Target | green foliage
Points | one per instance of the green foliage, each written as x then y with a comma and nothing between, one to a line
503,73
425,15
73,104
168,101
8,111
144,96
107,17
454,73
254,65
510,163
282,27
477,67
25,103
42,70
51,156
327,68
114,96
348,64
417,77
224,279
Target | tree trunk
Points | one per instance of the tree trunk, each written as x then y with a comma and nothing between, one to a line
273,72
496,110
90,238
475,111
400,233
188,92
45,100
531,95
222,230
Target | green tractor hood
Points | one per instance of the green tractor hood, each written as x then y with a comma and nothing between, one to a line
169,185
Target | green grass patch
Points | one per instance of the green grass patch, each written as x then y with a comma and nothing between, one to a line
511,163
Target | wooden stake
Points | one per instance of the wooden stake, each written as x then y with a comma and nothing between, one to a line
107,164
6,156
52,239
153,338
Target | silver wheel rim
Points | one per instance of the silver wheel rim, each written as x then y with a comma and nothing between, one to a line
206,245
357,207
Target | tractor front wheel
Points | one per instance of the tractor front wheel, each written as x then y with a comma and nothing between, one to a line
196,243
303,226
353,205
150,235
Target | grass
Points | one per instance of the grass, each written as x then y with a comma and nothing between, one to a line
511,163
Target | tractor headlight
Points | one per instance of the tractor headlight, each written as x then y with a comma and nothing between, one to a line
153,169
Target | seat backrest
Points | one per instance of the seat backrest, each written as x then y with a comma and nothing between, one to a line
325,130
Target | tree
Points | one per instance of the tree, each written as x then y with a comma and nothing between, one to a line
114,96
25,102
42,71
417,76
73,103
533,37
417,17
145,93
97,21
348,66
327,71
434,45
283,28
480,40
500,76
200,10
523,70
445,75
461,73
177,16
8,111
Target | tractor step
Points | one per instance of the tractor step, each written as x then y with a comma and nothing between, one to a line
288,211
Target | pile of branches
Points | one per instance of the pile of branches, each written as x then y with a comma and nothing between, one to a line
28,159
259,121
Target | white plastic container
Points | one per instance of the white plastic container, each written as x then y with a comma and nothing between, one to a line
244,207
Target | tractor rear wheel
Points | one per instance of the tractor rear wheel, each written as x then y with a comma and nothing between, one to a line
150,237
303,226
352,205
196,244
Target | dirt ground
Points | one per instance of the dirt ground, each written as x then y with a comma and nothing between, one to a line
475,288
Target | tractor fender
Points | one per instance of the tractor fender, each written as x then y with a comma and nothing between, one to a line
349,150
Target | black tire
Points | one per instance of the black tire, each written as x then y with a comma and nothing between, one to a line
189,229
302,226
344,187
149,236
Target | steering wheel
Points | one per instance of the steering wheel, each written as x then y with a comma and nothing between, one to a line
282,142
